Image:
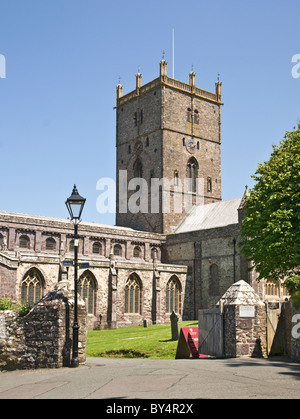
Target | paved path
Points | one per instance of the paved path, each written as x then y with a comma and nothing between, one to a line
157,380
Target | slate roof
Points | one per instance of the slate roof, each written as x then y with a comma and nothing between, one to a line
203,217
241,293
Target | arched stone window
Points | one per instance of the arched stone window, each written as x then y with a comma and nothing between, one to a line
173,295
192,174
196,117
24,242
137,252
176,178
133,295
32,287
97,248
50,244
117,250
214,281
209,184
87,287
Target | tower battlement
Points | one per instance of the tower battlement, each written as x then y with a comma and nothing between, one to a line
163,79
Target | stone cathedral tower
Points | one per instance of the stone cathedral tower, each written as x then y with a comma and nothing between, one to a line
168,143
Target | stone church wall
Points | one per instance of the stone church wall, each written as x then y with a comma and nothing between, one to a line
200,250
108,303
8,276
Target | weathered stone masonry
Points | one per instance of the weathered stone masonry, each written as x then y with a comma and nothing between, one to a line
156,123
109,272
42,338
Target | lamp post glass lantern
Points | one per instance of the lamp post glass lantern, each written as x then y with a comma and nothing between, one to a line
75,204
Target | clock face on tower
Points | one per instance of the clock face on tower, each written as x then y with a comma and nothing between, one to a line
191,146
138,147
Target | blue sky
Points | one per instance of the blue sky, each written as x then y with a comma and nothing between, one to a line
63,62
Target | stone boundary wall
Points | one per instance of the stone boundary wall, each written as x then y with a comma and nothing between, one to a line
42,338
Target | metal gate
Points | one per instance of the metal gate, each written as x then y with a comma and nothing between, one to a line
210,339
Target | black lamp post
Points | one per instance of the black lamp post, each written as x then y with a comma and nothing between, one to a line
75,204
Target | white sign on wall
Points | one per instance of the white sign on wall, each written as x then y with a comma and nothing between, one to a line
247,311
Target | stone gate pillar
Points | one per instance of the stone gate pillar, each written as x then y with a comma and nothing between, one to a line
244,322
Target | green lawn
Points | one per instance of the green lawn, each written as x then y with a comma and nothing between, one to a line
154,341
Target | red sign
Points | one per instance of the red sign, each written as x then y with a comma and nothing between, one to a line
188,343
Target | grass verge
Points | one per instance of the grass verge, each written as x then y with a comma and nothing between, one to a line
154,341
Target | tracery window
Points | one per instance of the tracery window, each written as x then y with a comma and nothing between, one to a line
133,295
87,291
173,295
285,292
32,287
272,288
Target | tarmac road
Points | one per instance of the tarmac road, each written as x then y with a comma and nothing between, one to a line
123,379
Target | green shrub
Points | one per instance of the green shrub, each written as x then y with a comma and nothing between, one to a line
8,303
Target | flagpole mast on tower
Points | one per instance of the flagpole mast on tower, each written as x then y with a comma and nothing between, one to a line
173,54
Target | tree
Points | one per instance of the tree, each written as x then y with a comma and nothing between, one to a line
271,227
